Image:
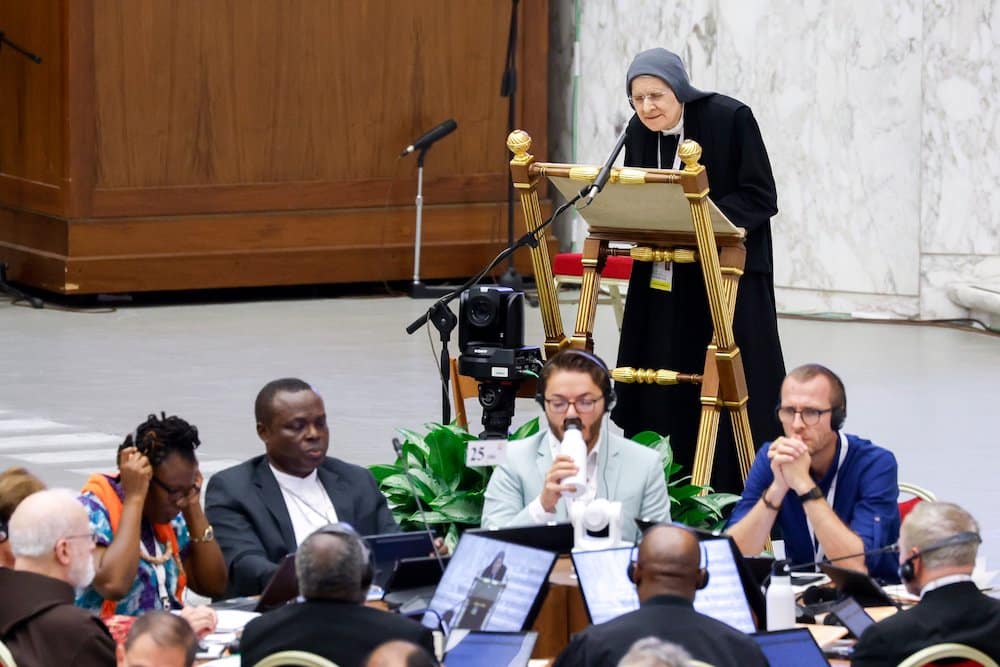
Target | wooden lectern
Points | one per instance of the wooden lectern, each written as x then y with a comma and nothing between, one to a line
667,216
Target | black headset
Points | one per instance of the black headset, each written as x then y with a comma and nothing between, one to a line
346,531
3,531
610,398
906,572
633,560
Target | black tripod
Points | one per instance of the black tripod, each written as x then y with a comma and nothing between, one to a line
17,294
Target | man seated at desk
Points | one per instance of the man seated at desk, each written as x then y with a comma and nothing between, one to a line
264,508
667,574
832,494
526,490
937,553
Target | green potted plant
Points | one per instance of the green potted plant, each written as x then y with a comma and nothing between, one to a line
452,493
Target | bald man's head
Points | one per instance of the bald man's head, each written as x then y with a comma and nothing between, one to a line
399,653
668,563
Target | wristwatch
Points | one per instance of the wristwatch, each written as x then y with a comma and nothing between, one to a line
812,494
207,536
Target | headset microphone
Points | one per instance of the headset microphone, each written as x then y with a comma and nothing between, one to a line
906,571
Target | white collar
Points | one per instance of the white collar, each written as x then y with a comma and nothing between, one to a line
299,484
940,582
676,129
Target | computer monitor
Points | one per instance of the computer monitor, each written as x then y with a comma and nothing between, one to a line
388,548
857,585
489,649
490,585
791,647
608,593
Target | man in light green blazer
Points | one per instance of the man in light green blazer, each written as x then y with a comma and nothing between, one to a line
527,489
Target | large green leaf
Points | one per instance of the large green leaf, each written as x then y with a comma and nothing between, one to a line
525,430
380,470
447,456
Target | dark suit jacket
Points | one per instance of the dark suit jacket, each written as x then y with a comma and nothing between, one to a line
953,613
666,617
343,632
247,511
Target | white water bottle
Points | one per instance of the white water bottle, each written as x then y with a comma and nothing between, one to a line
780,598
573,446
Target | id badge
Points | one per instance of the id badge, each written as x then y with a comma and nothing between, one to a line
663,276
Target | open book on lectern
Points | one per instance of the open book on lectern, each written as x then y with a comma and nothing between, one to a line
655,207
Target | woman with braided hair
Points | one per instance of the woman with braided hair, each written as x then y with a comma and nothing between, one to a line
152,536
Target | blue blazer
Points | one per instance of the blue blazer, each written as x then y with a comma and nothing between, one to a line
627,472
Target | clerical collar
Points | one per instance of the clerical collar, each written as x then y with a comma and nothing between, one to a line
676,129
944,581
297,484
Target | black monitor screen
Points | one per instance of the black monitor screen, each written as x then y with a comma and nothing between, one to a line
389,548
791,647
490,585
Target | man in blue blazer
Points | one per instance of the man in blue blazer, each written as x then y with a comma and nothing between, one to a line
264,508
527,489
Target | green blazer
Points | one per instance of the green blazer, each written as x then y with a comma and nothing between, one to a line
627,472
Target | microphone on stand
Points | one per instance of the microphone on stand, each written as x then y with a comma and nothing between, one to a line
442,130
807,567
396,445
605,173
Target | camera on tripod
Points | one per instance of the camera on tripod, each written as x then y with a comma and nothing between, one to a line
491,340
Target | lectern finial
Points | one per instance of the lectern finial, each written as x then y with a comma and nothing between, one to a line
519,142
690,153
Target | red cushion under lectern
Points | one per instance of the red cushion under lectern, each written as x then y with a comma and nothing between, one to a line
571,264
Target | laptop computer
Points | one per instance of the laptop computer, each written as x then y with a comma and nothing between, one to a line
791,647
490,585
282,587
388,548
489,649
412,582
852,616
857,585
556,537
608,593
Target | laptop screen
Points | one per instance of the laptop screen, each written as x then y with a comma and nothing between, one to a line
608,593
791,647
490,585
388,548
604,583
489,649
854,618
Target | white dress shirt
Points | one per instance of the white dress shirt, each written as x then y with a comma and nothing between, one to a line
535,509
309,505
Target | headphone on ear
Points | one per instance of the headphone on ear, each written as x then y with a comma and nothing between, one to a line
839,412
347,531
906,570
3,531
703,574
607,391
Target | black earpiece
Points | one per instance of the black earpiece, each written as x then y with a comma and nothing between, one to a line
703,573
906,569
3,531
610,397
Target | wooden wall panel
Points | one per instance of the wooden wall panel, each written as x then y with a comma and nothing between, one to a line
32,160
206,143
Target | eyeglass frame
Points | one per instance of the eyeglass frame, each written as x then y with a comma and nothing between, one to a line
175,493
654,97
579,408
802,414
92,536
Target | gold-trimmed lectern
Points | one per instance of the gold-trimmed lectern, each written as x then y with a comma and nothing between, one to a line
665,215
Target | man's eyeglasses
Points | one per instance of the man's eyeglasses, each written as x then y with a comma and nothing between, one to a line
583,405
176,494
810,416
638,100
92,536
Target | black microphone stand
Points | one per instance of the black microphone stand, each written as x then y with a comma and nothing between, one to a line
5,286
444,320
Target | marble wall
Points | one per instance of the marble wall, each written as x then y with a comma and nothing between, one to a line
880,121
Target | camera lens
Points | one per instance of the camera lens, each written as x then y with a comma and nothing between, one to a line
482,311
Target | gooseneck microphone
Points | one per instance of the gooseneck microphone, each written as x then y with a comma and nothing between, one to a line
442,130
809,567
396,445
605,173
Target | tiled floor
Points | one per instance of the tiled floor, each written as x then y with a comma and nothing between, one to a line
75,383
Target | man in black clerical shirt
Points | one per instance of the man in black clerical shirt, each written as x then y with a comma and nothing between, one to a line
666,574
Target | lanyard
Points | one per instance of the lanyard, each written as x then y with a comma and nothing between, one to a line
831,495
160,569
